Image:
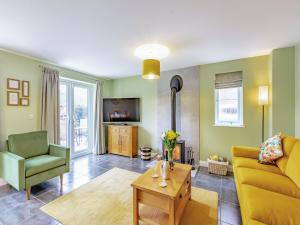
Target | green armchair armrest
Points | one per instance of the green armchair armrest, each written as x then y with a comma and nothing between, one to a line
60,151
12,169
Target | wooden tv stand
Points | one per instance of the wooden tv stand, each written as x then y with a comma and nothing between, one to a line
123,140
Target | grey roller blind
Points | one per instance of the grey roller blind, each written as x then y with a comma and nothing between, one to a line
229,80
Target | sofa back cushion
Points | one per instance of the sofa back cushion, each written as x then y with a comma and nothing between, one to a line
293,165
28,144
288,143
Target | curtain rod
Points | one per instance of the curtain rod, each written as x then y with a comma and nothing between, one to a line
89,76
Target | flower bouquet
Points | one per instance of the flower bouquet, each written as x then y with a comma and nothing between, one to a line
169,139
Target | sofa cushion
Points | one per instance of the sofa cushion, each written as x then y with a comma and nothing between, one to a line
29,144
270,207
252,163
42,163
293,164
288,143
287,146
255,222
270,150
269,181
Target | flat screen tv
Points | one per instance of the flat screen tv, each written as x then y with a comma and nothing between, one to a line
121,110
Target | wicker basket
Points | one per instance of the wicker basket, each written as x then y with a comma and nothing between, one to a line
145,153
219,168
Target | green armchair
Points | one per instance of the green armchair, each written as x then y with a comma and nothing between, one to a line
30,160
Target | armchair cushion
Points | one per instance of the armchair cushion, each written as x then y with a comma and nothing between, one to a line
29,144
42,163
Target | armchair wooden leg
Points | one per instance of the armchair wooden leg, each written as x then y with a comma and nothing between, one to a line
61,180
28,192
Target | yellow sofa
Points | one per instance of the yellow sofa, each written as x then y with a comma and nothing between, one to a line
268,194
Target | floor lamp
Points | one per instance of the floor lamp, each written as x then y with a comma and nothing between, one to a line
263,99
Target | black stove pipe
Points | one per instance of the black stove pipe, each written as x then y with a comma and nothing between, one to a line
175,85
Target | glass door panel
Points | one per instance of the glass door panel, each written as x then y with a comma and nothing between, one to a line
64,118
76,129
81,119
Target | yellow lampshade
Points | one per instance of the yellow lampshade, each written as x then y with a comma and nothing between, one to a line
263,95
151,69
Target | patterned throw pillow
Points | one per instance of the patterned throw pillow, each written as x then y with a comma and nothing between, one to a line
270,150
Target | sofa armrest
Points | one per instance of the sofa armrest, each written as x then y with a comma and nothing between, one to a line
247,152
60,151
12,169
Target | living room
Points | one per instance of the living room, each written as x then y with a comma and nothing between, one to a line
150,112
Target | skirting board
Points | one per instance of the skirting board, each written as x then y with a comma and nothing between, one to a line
205,164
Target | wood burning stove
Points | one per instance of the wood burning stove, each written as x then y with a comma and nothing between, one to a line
179,154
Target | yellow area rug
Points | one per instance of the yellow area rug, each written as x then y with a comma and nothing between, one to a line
107,200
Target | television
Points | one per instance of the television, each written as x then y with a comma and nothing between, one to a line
121,110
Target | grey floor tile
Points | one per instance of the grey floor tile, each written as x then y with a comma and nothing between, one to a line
229,195
39,219
230,213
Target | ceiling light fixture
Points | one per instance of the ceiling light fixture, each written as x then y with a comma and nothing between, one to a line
151,54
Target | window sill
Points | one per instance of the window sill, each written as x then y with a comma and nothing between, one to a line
229,125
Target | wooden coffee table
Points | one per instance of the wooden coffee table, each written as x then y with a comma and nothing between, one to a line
155,205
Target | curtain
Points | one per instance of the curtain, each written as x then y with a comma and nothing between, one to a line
229,80
50,104
99,140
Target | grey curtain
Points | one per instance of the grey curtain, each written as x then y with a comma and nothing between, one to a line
50,104
229,80
99,140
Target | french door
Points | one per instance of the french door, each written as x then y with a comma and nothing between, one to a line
76,127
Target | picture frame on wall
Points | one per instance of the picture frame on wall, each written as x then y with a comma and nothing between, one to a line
13,84
12,98
24,101
25,88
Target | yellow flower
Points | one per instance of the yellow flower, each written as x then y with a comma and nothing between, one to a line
171,135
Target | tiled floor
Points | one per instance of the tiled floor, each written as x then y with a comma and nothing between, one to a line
15,209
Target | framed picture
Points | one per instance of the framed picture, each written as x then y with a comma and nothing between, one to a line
25,88
13,84
12,98
24,101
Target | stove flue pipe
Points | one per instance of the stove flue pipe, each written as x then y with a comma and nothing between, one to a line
175,85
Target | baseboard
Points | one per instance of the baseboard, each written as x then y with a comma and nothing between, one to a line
205,164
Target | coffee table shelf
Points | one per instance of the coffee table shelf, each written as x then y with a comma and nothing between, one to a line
153,216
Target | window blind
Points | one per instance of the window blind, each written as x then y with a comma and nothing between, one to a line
229,80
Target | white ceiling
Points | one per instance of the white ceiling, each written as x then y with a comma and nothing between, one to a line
99,36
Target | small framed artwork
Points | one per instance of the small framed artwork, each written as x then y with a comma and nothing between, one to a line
25,88
12,98
13,84
24,101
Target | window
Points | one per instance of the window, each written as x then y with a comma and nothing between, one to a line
229,99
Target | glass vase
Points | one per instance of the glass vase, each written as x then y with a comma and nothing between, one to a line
170,158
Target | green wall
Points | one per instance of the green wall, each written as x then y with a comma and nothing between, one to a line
276,69
146,90
297,91
218,139
283,90
23,119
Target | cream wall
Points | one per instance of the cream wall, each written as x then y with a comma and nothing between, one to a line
24,119
297,90
217,139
